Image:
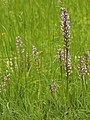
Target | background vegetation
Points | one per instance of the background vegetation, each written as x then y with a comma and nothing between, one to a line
33,88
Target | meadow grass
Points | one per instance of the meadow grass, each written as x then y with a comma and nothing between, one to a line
33,83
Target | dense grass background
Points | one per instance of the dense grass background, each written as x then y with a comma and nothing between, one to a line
28,96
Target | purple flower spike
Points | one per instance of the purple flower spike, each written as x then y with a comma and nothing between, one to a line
65,27
82,67
34,51
19,45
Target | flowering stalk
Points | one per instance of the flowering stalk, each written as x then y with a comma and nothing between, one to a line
34,52
66,34
19,45
65,27
20,51
82,67
5,82
35,56
52,87
11,65
83,73
37,63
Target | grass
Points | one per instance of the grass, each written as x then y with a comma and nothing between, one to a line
36,90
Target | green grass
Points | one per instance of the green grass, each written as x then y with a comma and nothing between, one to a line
27,96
